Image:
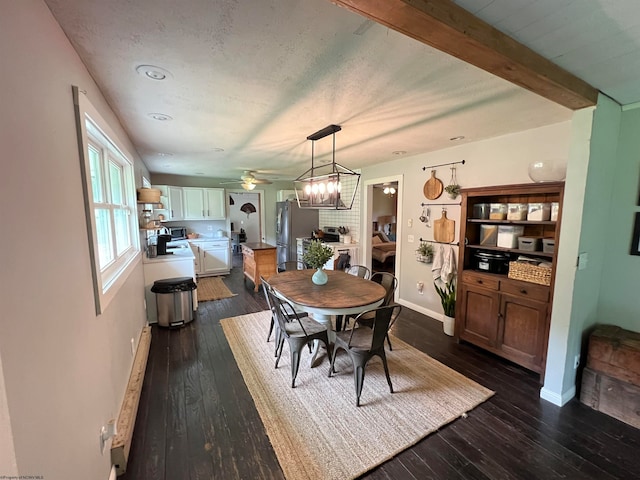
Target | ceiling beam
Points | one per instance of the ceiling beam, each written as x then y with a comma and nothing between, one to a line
449,28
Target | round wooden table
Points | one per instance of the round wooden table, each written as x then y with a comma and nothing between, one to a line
343,294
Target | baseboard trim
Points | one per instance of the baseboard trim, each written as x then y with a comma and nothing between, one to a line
418,308
558,399
121,444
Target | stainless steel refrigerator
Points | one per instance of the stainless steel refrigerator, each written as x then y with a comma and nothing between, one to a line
292,223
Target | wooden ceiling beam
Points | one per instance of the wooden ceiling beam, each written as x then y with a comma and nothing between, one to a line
449,28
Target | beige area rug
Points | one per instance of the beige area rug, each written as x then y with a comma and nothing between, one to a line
316,429
212,288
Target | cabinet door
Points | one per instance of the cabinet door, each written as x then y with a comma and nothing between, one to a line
479,308
215,260
193,203
214,202
522,331
175,203
196,253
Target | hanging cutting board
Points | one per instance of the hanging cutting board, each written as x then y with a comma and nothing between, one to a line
433,187
444,229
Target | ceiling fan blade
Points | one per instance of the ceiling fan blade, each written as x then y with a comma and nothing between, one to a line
261,181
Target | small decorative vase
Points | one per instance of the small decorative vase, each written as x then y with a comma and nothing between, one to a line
320,277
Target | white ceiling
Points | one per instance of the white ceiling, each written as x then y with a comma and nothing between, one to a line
255,78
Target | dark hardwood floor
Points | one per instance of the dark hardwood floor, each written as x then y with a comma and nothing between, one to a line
198,421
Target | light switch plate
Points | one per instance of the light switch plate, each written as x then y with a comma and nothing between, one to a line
583,259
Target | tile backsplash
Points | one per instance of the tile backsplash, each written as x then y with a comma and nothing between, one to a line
345,218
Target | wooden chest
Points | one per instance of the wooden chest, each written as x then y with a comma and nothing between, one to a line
611,380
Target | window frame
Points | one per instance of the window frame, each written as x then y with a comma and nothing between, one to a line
109,278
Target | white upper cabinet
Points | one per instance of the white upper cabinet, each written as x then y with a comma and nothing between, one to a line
216,208
171,198
204,203
193,203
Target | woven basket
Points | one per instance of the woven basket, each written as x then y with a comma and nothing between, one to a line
530,273
149,195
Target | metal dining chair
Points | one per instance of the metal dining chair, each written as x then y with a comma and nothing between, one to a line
357,271
390,284
362,344
298,332
268,295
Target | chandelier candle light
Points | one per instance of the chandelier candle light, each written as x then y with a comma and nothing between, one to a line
323,186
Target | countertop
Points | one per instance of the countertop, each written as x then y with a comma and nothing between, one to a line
258,246
207,239
183,252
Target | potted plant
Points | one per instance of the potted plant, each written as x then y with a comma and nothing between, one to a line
448,300
453,190
424,252
316,256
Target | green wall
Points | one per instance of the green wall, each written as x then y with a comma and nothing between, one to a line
619,301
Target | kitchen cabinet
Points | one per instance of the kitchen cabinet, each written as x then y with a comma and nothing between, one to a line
171,200
212,257
506,316
258,259
204,203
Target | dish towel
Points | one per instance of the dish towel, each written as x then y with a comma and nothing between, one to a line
448,269
436,266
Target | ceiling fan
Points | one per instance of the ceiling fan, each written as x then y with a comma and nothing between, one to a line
248,180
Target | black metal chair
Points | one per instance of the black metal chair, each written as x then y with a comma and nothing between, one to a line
291,265
268,295
390,284
357,271
362,344
298,331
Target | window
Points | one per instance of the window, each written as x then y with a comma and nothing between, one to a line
110,201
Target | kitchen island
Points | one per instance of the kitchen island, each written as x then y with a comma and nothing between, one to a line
178,263
258,259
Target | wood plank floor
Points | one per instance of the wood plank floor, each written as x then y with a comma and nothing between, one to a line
197,419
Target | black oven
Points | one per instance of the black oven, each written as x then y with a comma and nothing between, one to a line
178,233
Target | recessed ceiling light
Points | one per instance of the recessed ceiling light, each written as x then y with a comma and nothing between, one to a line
218,149
399,152
160,116
455,139
163,154
199,173
153,73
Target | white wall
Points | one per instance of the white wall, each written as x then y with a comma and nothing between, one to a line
249,222
65,369
498,161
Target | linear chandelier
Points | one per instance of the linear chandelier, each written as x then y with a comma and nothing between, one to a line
330,186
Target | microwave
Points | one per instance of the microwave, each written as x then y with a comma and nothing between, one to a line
178,233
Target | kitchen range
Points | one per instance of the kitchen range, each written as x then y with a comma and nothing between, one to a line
343,253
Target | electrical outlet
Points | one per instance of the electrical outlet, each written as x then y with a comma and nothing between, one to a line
410,223
410,238
576,362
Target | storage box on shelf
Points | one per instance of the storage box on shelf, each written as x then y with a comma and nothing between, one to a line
502,306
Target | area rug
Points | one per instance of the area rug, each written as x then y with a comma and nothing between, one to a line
316,429
212,288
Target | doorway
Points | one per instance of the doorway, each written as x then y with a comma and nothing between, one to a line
383,214
246,217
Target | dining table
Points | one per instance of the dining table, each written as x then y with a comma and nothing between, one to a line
343,294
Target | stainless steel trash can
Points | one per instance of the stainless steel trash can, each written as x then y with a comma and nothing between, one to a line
174,300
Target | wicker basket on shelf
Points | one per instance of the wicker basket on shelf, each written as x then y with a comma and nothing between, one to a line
530,273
